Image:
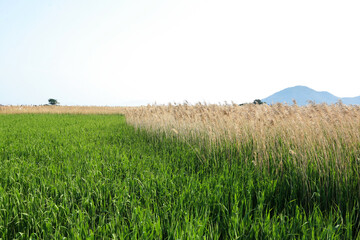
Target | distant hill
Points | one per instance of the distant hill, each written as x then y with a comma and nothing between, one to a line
304,94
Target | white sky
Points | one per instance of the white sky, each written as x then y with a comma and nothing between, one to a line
130,52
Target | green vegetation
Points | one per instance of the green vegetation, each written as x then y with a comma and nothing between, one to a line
95,177
53,101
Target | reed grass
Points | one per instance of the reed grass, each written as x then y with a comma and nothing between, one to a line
32,109
181,172
312,153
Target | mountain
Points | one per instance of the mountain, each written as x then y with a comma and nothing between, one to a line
304,94
353,100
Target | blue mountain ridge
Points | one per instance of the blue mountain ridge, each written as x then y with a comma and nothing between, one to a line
302,95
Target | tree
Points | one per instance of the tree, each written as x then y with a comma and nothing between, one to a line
53,101
258,101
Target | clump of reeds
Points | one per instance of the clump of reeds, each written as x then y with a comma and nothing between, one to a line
24,109
315,146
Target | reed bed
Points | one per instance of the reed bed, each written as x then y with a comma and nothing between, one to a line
303,131
180,172
32,109
313,150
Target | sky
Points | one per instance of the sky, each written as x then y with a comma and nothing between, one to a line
138,52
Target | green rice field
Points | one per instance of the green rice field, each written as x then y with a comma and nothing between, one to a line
68,176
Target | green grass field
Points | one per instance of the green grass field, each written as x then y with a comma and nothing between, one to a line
95,177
